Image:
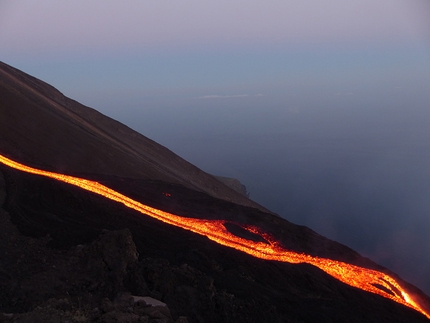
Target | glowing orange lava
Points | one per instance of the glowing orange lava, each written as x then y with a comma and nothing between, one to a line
215,230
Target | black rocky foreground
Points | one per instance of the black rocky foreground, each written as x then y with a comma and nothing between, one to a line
71,256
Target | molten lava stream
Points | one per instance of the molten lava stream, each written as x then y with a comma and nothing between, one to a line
215,230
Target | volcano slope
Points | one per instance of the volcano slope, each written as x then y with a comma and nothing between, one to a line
65,251
45,128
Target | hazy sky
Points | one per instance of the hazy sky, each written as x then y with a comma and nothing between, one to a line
91,26
140,46
321,108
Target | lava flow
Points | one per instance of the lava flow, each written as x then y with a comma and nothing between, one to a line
366,279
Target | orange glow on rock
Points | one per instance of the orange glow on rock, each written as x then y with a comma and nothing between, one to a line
215,230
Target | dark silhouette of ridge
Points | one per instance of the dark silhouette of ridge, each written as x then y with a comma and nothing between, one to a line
67,254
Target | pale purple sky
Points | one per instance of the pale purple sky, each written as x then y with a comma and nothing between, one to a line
99,47
52,26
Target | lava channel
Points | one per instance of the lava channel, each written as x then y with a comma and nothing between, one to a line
267,247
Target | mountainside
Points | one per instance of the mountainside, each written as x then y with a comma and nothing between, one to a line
67,254
57,132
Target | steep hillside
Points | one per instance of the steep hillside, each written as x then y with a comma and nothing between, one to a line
45,128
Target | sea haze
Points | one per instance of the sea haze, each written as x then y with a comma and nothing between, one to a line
351,165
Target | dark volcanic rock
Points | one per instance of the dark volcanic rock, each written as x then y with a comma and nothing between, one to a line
196,278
